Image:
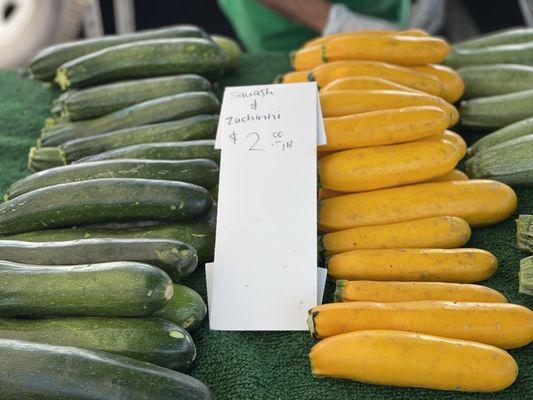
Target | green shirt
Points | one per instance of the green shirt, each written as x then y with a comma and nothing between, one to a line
261,29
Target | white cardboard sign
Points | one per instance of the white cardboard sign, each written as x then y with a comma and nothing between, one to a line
264,276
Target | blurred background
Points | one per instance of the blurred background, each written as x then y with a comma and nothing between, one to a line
27,26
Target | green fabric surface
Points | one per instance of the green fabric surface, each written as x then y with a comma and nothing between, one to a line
269,365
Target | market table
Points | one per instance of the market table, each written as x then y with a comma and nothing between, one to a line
268,365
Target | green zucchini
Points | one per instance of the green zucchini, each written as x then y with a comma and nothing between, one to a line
199,234
161,151
41,158
497,111
176,258
507,36
200,172
501,54
167,108
121,289
193,128
214,192
102,200
100,100
152,340
142,60
510,162
491,80
232,50
509,132
186,308
36,371
44,65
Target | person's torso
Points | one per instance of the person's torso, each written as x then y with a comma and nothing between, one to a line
262,29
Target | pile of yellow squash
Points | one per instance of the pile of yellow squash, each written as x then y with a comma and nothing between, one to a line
394,213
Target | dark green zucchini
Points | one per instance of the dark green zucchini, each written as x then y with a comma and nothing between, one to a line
167,108
193,128
36,371
214,192
103,200
199,234
142,60
152,340
44,65
201,172
100,100
121,289
186,308
176,258
161,151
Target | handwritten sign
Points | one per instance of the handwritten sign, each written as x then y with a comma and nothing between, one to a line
264,276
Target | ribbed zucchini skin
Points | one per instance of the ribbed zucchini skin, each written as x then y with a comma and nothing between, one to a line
103,200
501,54
507,36
44,65
495,79
199,234
176,258
497,111
143,59
186,308
510,162
199,172
100,100
124,289
509,132
193,149
35,371
167,108
199,127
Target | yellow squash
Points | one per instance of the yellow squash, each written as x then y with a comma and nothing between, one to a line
384,127
503,325
365,82
453,175
434,232
338,103
390,292
415,360
398,49
453,137
326,73
453,86
478,202
294,77
324,39
327,193
413,265
379,167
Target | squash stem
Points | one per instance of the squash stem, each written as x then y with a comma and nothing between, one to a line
525,276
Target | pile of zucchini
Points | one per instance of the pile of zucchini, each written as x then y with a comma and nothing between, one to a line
498,73
93,245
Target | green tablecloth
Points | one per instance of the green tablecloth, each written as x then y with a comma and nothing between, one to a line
268,365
